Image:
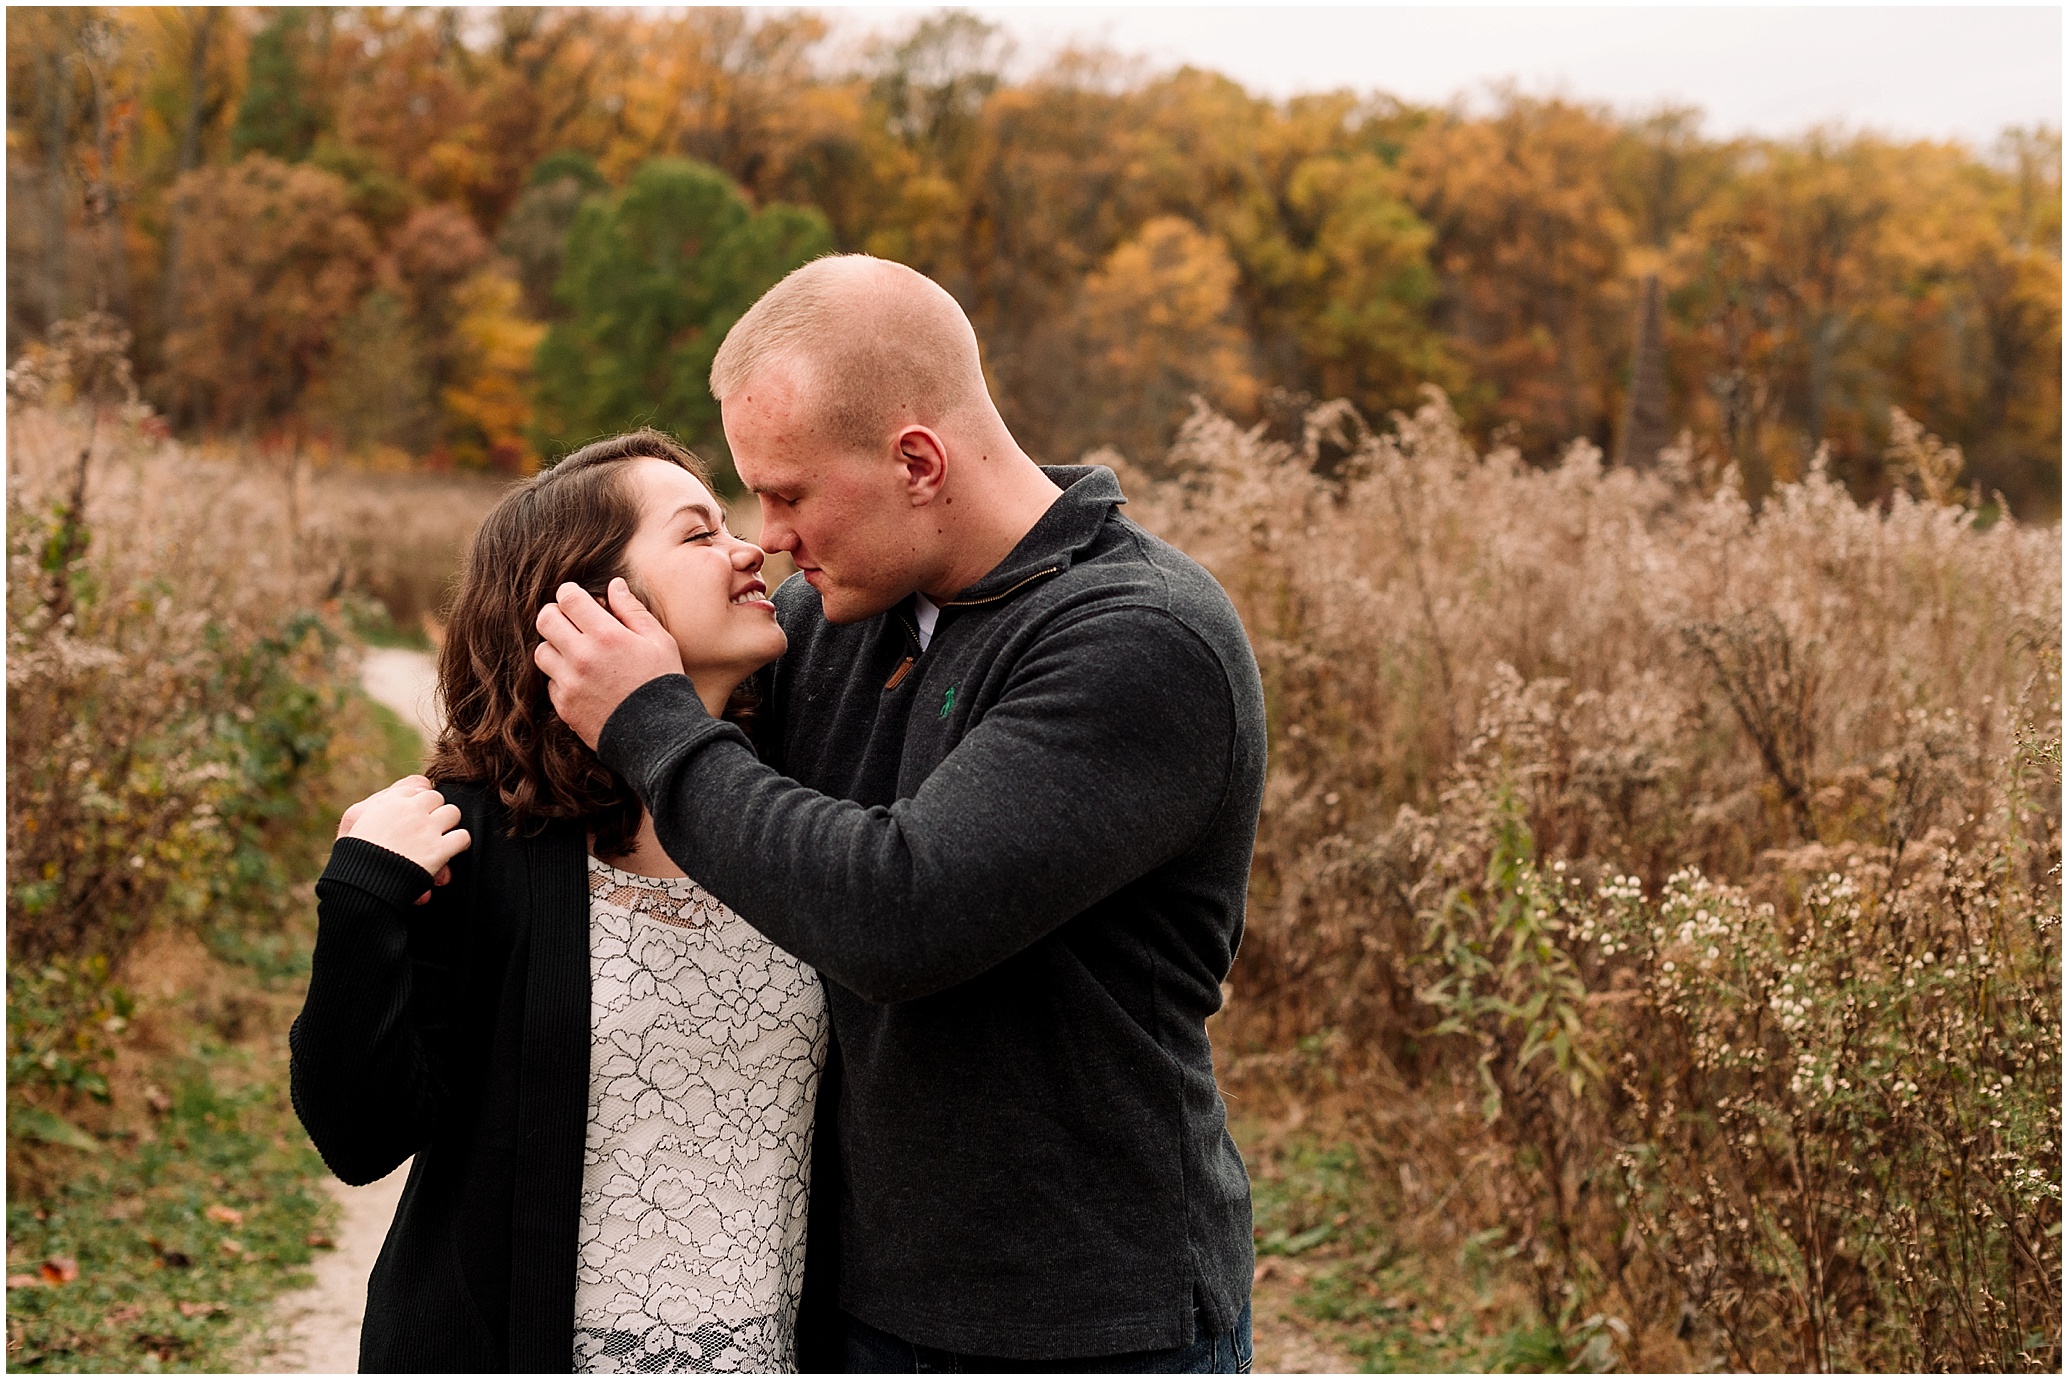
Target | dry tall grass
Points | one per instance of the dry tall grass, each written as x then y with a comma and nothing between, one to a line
179,662
163,644
388,533
1673,889
1670,892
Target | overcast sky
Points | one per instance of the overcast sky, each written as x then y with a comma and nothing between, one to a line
1932,72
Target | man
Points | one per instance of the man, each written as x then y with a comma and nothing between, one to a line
1015,758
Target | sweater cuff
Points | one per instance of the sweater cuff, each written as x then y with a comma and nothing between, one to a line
381,873
660,722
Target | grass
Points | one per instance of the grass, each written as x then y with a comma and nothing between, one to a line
164,1250
1339,1261
402,749
165,1246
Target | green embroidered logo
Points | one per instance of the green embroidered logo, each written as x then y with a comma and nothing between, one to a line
947,702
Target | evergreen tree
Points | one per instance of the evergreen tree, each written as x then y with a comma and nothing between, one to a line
275,116
654,279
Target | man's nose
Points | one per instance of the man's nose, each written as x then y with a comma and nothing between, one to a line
776,535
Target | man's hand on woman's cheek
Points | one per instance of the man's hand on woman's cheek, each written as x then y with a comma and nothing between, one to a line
595,657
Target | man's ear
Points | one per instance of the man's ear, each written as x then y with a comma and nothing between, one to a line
925,460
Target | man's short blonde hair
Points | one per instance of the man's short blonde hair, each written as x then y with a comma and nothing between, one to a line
879,345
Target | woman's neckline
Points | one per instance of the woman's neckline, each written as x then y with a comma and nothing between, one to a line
642,877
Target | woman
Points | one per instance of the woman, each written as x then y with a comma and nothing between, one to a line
606,1077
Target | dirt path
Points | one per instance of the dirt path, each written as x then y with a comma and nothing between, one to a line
404,681
322,1322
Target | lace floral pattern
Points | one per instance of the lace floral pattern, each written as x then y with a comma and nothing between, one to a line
707,1043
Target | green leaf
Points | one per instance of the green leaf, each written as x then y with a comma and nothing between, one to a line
37,1124
1307,1240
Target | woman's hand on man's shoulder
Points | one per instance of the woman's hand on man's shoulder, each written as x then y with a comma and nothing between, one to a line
412,819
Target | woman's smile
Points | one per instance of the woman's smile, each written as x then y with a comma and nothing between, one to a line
703,583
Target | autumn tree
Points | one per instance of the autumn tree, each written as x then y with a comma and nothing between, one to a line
375,392
271,262
534,235
488,399
1353,273
433,252
185,108
1806,286
44,142
1975,343
1529,249
74,81
1157,325
1045,202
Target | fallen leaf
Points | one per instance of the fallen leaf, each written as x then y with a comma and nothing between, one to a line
59,1269
127,1313
1265,1269
156,1100
322,1242
24,1282
230,1246
199,1310
229,1216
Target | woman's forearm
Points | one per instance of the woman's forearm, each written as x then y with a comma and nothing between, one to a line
362,1075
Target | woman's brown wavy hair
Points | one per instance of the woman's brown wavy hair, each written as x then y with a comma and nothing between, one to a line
571,522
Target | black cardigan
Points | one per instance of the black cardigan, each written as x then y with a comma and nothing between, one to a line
458,1032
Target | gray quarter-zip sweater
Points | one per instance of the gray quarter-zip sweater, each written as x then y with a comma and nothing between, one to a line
1020,860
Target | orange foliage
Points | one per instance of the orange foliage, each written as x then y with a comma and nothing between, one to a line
271,262
1810,284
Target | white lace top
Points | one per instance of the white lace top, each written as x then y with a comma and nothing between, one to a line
706,1046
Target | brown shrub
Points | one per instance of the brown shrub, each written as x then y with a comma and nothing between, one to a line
168,663
179,667
1519,716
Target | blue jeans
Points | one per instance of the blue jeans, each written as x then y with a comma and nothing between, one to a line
869,1350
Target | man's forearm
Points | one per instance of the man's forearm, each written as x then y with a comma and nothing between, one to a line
1033,817
835,883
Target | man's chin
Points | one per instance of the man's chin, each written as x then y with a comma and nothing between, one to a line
839,605
842,611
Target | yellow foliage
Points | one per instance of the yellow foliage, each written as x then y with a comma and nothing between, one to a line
1809,283
1158,326
489,400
